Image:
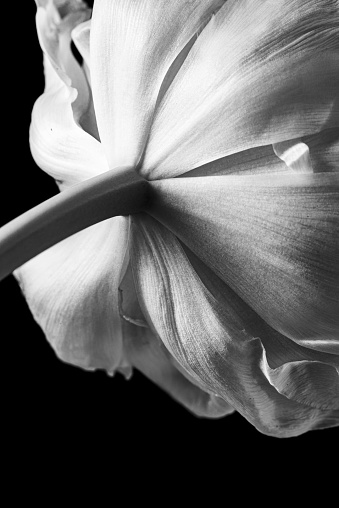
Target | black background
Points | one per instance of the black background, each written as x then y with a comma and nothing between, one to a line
48,404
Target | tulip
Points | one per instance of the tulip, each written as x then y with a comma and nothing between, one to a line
195,238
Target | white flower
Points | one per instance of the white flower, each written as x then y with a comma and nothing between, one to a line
225,290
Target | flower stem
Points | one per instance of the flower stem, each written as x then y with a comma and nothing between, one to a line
117,192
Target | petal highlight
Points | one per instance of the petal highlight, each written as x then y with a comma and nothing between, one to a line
133,45
261,72
58,144
55,22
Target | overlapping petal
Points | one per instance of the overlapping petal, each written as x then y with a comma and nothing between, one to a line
261,72
323,150
133,45
217,338
246,101
72,288
55,22
59,145
144,350
274,239
72,291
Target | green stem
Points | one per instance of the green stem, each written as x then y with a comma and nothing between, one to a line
118,192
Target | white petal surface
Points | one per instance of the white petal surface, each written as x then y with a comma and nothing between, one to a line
295,154
216,338
58,144
72,291
274,239
261,72
133,44
55,22
72,288
144,351
323,149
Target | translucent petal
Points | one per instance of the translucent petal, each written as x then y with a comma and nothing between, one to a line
133,45
58,144
295,154
147,354
323,149
274,239
72,291
55,22
144,350
72,288
261,72
216,337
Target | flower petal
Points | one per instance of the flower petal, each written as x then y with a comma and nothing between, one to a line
58,144
260,72
144,350
295,154
213,338
72,291
55,21
147,354
312,383
322,147
81,39
133,45
272,238
324,150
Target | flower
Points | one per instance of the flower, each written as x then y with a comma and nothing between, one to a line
225,290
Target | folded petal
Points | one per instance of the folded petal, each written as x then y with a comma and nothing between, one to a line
261,72
55,21
133,45
72,288
274,239
312,383
323,149
58,144
143,350
72,291
216,337
296,155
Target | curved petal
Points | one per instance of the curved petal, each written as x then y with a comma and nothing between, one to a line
296,155
72,288
312,383
272,238
144,350
72,291
58,144
260,72
214,339
81,38
133,45
323,149
55,21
